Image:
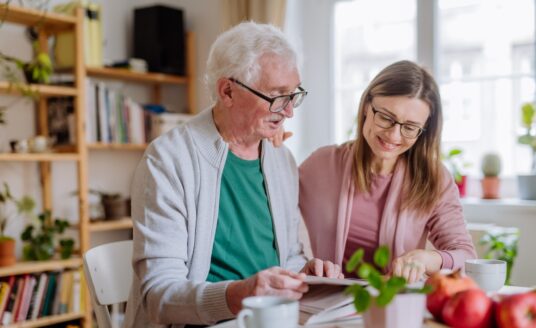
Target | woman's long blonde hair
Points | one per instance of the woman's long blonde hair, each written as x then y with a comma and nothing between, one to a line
422,187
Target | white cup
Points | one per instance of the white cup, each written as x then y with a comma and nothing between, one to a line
268,312
489,275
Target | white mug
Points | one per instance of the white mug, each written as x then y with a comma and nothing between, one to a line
268,312
489,275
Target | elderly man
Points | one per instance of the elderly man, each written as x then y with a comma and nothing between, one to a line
215,205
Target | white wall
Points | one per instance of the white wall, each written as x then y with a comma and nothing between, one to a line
107,171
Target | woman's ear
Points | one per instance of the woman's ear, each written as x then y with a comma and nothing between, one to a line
225,91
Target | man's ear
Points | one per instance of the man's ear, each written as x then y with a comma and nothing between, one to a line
225,91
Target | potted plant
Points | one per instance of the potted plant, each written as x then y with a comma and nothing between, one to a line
7,243
456,164
115,206
501,244
527,183
40,244
491,167
387,302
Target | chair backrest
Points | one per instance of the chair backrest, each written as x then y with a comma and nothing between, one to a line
108,269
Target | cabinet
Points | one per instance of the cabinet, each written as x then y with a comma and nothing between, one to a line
79,153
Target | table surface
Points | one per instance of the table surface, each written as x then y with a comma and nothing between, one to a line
358,323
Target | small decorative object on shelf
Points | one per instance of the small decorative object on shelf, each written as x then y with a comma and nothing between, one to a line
491,167
456,165
527,182
40,246
390,303
23,205
114,205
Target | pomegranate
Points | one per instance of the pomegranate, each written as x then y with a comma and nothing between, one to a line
443,287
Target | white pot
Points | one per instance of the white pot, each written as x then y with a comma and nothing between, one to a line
405,311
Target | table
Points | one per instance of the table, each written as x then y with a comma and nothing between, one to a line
358,323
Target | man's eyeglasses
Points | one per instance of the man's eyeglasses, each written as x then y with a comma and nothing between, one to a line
278,103
384,121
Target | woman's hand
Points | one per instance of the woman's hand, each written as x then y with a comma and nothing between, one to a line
319,268
280,137
415,264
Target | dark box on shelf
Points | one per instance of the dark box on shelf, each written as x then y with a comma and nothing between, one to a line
159,38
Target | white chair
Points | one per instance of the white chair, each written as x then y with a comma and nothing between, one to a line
108,269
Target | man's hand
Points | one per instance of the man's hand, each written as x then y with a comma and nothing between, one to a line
273,281
319,268
414,264
280,137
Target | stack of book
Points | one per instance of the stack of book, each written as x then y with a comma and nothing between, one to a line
28,296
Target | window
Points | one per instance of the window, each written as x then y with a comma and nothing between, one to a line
367,38
484,66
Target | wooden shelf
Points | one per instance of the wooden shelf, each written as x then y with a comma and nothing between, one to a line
131,76
38,157
116,146
39,266
109,225
40,89
32,17
46,321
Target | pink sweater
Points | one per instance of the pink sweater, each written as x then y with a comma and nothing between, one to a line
326,196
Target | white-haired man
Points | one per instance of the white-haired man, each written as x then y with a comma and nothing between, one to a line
214,203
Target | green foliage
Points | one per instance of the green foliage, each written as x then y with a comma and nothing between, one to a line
455,162
385,288
501,246
491,165
528,114
40,243
25,205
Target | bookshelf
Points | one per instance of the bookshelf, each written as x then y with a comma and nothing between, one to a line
48,24
154,81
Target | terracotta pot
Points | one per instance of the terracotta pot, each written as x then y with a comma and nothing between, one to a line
7,252
490,187
405,311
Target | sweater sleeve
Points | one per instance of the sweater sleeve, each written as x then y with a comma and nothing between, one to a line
161,254
448,231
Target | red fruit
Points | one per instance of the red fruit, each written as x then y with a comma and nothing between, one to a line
468,309
517,311
444,286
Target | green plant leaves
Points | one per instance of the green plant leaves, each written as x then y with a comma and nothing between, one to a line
527,114
354,261
362,300
365,270
381,257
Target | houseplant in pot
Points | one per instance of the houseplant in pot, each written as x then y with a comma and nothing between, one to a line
387,302
40,242
527,183
114,205
491,167
455,163
7,212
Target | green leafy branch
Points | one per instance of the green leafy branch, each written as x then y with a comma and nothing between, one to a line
385,288
501,246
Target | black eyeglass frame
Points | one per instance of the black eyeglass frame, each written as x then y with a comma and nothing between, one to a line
271,100
395,122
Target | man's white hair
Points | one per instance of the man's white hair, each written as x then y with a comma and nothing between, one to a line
236,53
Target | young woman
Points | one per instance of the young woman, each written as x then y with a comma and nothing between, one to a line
388,187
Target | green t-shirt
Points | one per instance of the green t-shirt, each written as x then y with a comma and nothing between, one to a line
245,242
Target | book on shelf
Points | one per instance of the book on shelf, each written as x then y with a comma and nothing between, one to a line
326,301
5,292
38,302
64,49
